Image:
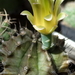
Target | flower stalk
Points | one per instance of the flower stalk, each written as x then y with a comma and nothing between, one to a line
46,41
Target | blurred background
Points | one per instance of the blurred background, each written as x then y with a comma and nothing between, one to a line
65,27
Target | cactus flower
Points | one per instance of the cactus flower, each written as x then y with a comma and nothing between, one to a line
46,15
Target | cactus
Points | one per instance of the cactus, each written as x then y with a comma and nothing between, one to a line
23,54
5,30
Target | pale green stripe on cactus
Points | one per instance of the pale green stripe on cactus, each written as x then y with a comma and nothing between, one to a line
44,62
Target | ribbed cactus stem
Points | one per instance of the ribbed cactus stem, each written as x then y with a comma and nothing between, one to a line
46,41
4,27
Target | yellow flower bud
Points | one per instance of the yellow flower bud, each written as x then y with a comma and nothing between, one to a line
45,16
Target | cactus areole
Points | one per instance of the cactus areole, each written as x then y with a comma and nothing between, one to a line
46,14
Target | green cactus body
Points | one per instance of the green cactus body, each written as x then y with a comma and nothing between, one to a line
23,55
